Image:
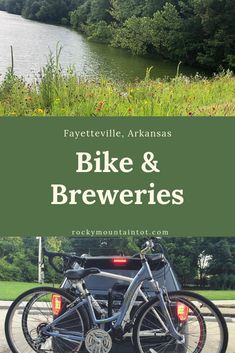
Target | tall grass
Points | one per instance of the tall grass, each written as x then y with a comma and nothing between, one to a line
58,93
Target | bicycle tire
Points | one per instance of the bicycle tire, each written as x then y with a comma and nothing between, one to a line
212,336
19,332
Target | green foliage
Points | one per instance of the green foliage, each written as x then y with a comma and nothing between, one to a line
62,93
93,18
208,262
218,25
121,10
99,32
12,6
46,10
134,35
8,271
2,5
222,281
79,16
166,35
193,31
197,32
14,91
222,261
17,260
183,254
99,11
51,77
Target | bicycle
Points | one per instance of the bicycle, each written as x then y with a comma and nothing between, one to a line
72,261
46,319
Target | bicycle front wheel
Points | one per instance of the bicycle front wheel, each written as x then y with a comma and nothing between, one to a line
34,310
195,317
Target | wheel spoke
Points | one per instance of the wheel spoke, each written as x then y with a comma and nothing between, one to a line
204,329
32,312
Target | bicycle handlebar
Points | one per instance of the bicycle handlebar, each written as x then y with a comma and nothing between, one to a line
148,245
68,259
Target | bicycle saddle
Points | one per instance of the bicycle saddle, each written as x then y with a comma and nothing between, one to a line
81,273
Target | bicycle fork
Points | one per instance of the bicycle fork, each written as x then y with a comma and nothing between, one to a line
168,326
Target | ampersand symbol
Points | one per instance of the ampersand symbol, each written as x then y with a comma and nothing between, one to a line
149,165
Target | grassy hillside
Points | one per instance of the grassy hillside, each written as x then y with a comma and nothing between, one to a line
56,93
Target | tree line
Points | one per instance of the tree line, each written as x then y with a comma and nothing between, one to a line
196,32
198,262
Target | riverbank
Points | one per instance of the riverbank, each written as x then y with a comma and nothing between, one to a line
31,41
196,35
57,94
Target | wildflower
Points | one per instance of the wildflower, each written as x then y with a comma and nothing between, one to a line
98,109
100,103
129,110
190,113
28,98
124,94
39,110
13,113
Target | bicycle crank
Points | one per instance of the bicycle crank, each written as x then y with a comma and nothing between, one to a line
98,341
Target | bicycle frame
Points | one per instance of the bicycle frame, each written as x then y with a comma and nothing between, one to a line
107,275
121,318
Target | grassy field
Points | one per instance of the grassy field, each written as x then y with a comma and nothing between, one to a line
55,93
218,294
10,290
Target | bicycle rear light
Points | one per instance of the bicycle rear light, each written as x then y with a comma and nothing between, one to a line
56,302
182,311
119,261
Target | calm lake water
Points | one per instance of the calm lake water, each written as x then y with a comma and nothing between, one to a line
32,41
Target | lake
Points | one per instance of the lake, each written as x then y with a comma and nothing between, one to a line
32,41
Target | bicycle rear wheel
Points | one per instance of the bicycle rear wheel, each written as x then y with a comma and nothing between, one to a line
36,308
196,318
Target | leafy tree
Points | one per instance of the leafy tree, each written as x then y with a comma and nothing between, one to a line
197,32
222,257
46,10
79,17
2,5
167,31
218,25
196,260
17,260
14,6
134,35
151,6
183,254
100,11
121,10
100,32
